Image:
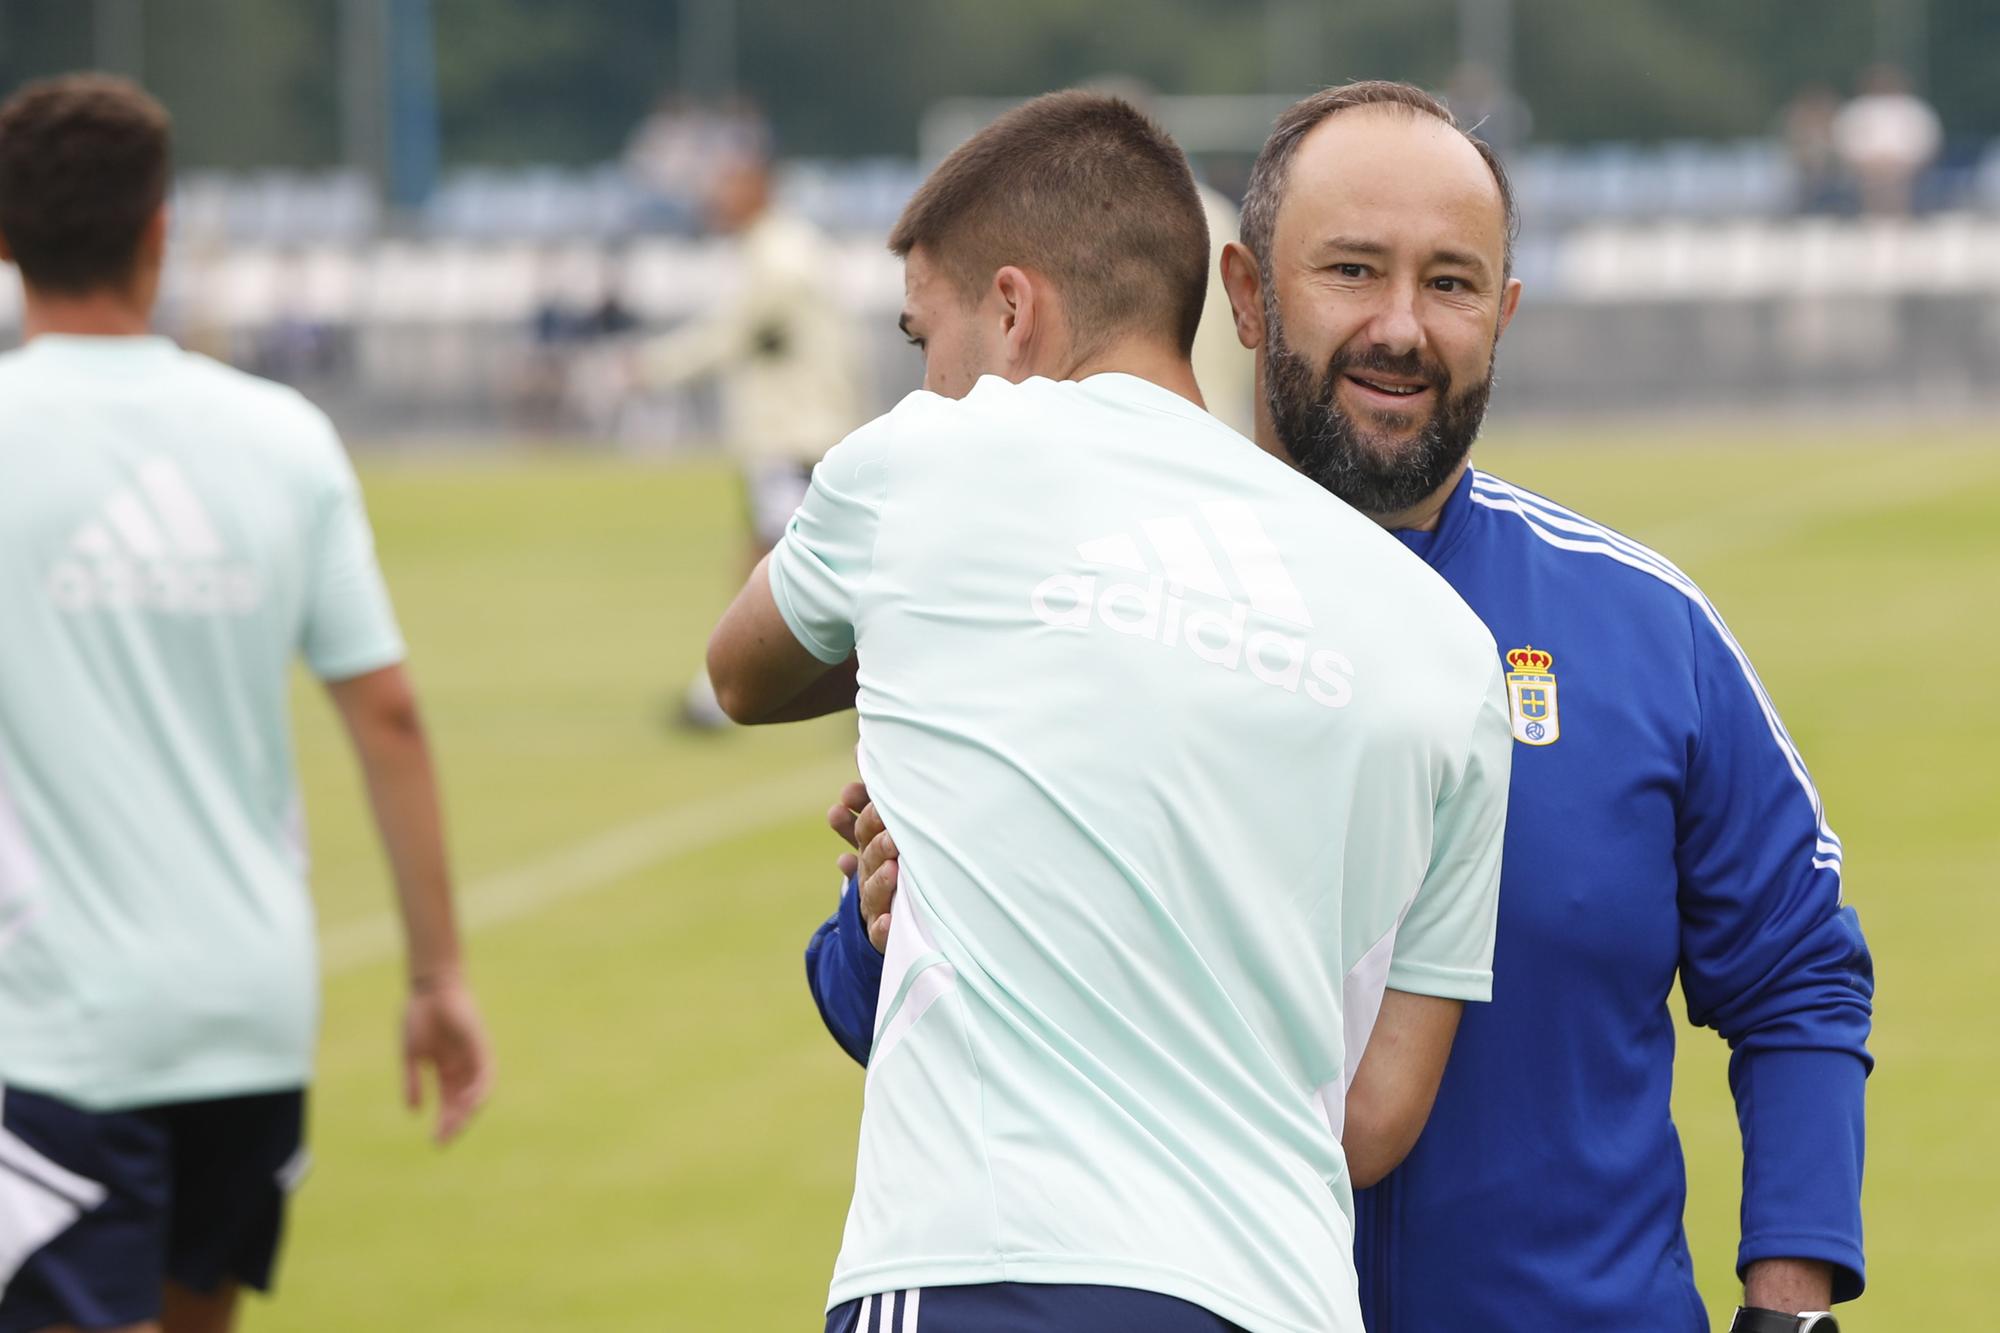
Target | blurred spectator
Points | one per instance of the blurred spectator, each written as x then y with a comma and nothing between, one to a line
1886,137
1820,186
783,353
677,149
296,349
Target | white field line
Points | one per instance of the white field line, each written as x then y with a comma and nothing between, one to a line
601,860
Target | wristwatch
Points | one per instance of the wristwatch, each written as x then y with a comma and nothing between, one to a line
1751,1320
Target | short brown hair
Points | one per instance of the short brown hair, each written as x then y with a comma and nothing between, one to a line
84,164
1269,176
1082,187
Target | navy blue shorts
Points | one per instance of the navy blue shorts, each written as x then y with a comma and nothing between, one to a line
1024,1307
98,1209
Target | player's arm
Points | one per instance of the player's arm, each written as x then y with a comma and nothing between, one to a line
1441,956
701,347
732,333
441,1024
784,649
1397,1082
349,638
1773,960
760,669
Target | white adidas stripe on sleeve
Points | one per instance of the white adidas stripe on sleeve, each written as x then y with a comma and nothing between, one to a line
1549,521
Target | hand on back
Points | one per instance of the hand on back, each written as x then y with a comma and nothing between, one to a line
873,862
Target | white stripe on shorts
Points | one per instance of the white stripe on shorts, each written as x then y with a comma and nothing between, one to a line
39,1200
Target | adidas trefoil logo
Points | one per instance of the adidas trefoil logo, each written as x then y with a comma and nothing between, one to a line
1215,623
153,547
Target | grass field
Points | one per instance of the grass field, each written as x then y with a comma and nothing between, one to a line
671,1142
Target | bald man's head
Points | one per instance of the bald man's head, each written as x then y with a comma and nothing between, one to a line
1272,175
1375,287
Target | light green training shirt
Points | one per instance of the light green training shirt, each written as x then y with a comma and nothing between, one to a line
1186,760
173,534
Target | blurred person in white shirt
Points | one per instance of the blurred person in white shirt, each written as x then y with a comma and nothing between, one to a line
1886,137
783,353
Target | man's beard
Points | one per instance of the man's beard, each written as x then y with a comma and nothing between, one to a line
1379,475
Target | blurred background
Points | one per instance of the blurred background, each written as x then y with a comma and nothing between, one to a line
431,212
1761,330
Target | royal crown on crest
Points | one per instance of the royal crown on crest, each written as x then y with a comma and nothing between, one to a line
1533,660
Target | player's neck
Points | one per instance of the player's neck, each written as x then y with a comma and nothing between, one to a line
1147,360
100,314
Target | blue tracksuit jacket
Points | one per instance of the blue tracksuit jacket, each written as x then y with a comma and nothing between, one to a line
1660,822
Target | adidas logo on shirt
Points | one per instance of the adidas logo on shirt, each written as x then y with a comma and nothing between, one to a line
1215,624
153,547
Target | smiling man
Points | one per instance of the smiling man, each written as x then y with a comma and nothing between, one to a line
1662,823
1396,259
1177,748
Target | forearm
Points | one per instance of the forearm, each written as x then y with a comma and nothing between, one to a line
761,671
1396,1083
832,693
1789,1286
1372,1151
402,791
689,352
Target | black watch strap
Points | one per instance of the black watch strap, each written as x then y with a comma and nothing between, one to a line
1750,1319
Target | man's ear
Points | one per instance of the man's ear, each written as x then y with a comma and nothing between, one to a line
1023,305
1244,282
1510,300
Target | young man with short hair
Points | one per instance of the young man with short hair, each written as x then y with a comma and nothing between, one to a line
1177,750
172,535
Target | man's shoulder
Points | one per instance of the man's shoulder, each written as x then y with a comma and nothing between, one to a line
1369,555
234,408
268,416
1594,560
922,417
253,392
920,413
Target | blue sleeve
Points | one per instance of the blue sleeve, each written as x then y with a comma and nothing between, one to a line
1774,960
845,974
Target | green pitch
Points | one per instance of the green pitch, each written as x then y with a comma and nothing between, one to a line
671,1141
